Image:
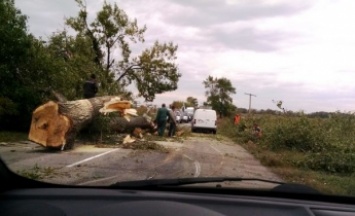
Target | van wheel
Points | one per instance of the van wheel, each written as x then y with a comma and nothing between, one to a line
214,131
193,130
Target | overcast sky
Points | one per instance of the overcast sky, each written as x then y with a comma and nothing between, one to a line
301,52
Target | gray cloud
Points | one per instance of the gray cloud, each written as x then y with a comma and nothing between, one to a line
205,13
213,31
46,17
250,39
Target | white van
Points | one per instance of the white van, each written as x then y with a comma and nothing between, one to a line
204,119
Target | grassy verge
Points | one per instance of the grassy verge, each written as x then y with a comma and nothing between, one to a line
315,152
285,164
9,136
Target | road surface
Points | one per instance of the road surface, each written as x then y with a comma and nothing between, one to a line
200,155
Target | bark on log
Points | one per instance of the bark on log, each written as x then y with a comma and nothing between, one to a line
123,125
56,124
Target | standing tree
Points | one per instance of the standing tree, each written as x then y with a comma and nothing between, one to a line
191,102
18,96
218,91
153,71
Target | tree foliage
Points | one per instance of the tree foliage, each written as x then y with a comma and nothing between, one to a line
31,67
191,102
15,54
154,71
178,104
218,91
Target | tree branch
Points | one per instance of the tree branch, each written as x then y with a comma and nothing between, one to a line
126,71
119,37
60,98
95,43
108,65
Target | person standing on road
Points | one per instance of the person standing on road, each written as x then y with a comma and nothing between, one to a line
161,118
90,87
172,121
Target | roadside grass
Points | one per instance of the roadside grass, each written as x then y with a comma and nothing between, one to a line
10,136
312,151
323,182
285,165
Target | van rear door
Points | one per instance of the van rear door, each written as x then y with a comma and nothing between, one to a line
204,118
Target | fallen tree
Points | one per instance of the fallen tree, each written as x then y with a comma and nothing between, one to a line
122,125
56,124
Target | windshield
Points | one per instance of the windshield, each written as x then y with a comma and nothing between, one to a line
100,92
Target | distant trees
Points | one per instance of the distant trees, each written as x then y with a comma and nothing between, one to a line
178,104
190,102
218,93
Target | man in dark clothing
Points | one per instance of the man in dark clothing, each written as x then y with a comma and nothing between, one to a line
90,87
172,121
161,118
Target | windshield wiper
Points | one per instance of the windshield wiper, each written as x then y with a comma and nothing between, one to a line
186,181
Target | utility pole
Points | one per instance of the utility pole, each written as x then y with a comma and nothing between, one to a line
250,100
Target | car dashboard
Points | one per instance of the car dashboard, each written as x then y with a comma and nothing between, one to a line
106,202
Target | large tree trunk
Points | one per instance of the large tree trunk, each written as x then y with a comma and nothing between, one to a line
123,125
56,124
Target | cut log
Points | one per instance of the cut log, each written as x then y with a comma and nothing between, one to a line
48,127
56,124
121,125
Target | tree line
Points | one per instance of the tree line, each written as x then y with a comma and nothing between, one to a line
218,96
32,67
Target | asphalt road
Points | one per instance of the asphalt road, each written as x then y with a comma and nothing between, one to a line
200,155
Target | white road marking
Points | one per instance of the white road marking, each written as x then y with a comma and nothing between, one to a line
197,166
99,180
187,157
91,158
219,152
197,169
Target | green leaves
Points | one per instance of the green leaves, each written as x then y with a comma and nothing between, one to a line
16,52
64,61
218,91
153,71
191,102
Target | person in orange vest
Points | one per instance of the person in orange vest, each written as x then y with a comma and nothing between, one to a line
236,119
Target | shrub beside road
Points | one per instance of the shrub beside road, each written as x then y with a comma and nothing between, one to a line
316,151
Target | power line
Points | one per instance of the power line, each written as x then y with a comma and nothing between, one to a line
250,94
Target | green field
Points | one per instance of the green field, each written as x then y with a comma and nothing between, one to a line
319,152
